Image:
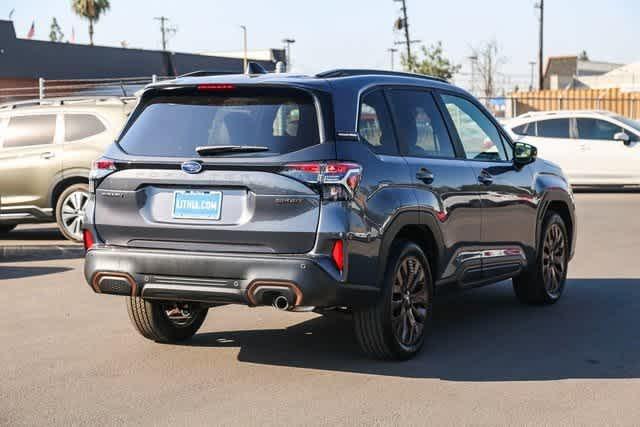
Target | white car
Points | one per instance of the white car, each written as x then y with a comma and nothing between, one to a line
594,148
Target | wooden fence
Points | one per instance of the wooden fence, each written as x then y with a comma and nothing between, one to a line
624,103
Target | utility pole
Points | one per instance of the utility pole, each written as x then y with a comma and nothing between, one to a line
540,6
405,25
165,30
288,42
392,51
244,43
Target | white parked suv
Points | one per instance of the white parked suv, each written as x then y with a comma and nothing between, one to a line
594,148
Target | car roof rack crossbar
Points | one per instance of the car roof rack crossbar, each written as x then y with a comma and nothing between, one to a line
363,72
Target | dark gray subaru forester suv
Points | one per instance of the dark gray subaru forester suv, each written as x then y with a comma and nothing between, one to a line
357,189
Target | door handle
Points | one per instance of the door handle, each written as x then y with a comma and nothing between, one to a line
47,155
485,178
425,175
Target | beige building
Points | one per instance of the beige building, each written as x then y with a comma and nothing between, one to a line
567,72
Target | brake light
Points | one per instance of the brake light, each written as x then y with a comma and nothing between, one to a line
87,239
337,254
216,87
338,180
99,169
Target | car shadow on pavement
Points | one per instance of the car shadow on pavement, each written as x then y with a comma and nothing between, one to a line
479,335
33,233
11,272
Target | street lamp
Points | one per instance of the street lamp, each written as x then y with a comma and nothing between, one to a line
474,61
532,64
392,51
244,36
288,42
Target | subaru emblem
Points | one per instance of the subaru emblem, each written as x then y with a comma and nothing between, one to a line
191,167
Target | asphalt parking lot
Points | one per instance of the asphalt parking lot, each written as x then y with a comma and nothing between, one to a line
70,357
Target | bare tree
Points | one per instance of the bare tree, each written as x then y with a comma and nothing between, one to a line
487,62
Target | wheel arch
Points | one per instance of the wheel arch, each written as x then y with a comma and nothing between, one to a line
419,228
560,202
63,183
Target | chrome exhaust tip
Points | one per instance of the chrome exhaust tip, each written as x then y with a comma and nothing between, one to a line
281,303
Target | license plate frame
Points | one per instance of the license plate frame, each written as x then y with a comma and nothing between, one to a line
192,210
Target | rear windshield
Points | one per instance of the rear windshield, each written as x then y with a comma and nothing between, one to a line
175,125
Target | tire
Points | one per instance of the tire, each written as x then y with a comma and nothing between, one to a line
544,283
4,229
152,321
380,329
70,211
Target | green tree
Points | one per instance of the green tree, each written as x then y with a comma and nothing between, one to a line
90,10
56,34
432,63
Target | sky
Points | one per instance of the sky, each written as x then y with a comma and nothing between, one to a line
355,33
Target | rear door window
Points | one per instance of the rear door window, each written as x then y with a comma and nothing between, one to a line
81,126
374,124
175,125
420,126
554,128
596,129
24,131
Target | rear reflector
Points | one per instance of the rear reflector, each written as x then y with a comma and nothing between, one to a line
87,239
216,87
337,254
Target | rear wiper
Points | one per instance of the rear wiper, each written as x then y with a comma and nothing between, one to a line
210,150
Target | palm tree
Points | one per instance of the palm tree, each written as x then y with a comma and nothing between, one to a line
91,10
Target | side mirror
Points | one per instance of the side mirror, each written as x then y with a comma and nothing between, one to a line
622,136
524,154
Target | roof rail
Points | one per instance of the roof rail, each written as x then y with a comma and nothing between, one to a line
363,72
63,100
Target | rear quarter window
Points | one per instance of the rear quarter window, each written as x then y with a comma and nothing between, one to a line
81,126
526,129
175,125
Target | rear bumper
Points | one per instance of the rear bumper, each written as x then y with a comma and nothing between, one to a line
220,278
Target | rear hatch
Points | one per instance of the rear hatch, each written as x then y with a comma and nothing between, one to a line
201,169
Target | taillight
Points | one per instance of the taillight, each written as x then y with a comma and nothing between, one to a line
337,254
99,169
337,180
87,239
213,87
